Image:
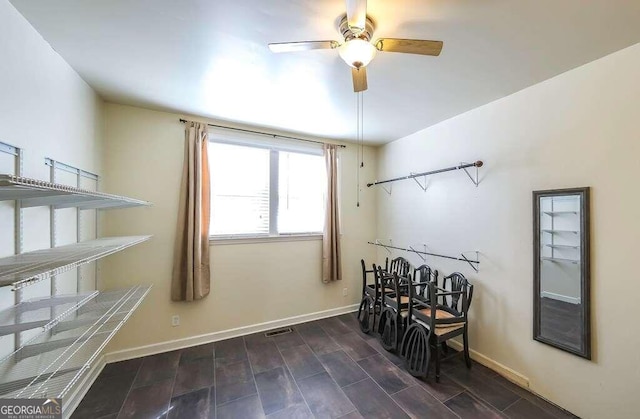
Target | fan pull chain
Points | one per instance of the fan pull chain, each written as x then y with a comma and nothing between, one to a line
358,159
361,129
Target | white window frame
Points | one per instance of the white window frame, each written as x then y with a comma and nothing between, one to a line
275,145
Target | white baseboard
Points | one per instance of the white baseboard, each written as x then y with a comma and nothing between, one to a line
172,345
560,297
511,375
71,402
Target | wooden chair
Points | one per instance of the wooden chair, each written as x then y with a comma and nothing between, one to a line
395,307
422,276
431,325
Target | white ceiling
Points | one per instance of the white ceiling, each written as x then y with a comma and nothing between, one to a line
210,58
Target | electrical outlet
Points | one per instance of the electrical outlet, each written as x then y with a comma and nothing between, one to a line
345,292
175,320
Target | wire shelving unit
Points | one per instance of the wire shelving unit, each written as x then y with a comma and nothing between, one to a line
57,338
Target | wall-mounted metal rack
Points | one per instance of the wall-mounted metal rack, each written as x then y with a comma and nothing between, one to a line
461,166
51,363
27,268
33,193
473,263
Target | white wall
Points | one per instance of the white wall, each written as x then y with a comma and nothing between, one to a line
251,283
49,111
577,129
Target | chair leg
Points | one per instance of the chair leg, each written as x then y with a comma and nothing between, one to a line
398,331
374,326
465,340
437,351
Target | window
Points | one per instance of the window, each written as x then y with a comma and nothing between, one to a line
260,189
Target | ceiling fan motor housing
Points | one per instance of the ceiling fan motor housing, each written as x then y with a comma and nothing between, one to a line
348,33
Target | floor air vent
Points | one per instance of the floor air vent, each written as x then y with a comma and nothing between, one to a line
278,332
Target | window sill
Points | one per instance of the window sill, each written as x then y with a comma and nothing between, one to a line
263,239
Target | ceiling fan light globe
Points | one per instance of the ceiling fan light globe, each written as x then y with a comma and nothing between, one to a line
357,52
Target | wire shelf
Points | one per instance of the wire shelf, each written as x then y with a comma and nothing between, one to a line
27,268
41,312
563,246
552,213
33,193
54,363
561,260
552,231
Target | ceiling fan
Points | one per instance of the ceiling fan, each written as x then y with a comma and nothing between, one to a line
357,50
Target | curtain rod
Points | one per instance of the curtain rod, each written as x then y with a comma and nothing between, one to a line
266,133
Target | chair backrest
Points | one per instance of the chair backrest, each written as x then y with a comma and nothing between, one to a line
421,275
457,282
399,285
379,279
364,274
399,265
417,298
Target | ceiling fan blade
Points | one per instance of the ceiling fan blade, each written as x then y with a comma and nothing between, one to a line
410,46
357,15
359,79
302,46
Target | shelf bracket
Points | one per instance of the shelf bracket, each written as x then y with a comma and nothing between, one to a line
469,261
474,181
411,249
378,243
422,186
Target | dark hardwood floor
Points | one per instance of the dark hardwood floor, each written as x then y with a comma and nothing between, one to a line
324,369
561,321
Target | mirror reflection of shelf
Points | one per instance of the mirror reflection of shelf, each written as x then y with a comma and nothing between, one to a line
559,212
561,260
562,246
560,231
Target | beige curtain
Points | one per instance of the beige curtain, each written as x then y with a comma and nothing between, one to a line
191,279
331,260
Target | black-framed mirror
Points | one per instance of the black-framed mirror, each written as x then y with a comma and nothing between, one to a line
561,274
